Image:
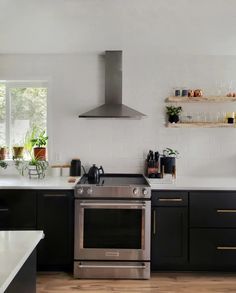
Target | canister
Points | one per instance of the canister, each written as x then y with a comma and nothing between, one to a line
75,167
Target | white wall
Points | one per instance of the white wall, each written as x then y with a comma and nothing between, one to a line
165,43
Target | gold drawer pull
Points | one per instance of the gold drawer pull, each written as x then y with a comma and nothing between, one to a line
55,195
170,199
154,222
226,211
226,247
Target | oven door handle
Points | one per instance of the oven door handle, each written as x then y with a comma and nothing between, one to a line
112,266
116,205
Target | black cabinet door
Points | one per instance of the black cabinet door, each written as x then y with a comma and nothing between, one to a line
169,237
55,218
17,209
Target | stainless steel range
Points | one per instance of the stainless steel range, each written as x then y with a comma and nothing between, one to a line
112,227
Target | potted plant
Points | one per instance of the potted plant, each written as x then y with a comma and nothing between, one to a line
3,151
173,113
39,143
36,168
168,160
18,152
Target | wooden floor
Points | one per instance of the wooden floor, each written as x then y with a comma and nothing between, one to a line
159,283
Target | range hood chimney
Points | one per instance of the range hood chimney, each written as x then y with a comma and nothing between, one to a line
113,107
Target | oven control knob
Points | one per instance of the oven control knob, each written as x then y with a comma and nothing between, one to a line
145,192
135,191
89,191
80,190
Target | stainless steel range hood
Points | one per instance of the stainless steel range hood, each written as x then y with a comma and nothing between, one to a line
113,107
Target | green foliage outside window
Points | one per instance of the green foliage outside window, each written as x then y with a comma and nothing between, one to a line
28,107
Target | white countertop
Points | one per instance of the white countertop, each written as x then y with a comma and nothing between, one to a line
181,183
195,183
20,182
15,248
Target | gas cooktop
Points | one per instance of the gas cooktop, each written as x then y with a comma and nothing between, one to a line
116,180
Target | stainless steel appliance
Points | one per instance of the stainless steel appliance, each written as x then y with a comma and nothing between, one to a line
113,107
112,227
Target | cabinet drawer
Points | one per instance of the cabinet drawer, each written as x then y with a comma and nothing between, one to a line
169,198
213,248
213,209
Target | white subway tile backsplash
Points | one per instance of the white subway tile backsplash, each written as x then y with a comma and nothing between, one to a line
122,145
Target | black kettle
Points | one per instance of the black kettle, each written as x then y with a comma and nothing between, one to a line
94,174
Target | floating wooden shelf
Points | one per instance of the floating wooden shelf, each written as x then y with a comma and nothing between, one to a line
201,125
205,99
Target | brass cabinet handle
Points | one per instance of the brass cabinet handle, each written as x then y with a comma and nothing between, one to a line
170,199
4,210
226,247
55,195
226,211
154,222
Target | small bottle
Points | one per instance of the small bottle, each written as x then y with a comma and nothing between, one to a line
231,118
173,172
162,171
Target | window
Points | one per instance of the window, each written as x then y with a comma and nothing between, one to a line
22,105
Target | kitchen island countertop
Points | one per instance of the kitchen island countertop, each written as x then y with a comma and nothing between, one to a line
20,182
15,248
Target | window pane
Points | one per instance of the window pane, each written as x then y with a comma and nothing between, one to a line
28,108
2,114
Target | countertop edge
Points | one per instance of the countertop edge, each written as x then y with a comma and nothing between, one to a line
21,262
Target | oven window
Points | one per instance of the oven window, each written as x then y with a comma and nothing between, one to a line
113,228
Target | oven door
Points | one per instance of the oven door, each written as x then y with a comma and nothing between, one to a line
112,230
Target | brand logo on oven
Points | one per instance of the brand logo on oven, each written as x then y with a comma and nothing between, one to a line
112,253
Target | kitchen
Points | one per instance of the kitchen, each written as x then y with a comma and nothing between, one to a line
165,44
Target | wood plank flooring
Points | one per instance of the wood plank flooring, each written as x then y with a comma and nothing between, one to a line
181,282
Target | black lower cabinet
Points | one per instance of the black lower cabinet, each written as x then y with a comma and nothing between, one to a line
212,221
169,249
17,209
55,218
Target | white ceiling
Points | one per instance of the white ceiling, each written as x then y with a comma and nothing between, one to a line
168,26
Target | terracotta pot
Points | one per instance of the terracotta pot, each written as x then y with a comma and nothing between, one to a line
198,93
40,153
3,152
18,152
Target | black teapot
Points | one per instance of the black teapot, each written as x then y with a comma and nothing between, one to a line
94,174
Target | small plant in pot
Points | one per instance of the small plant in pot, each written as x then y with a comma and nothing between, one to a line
168,161
39,144
3,152
173,113
32,166
36,168
18,152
